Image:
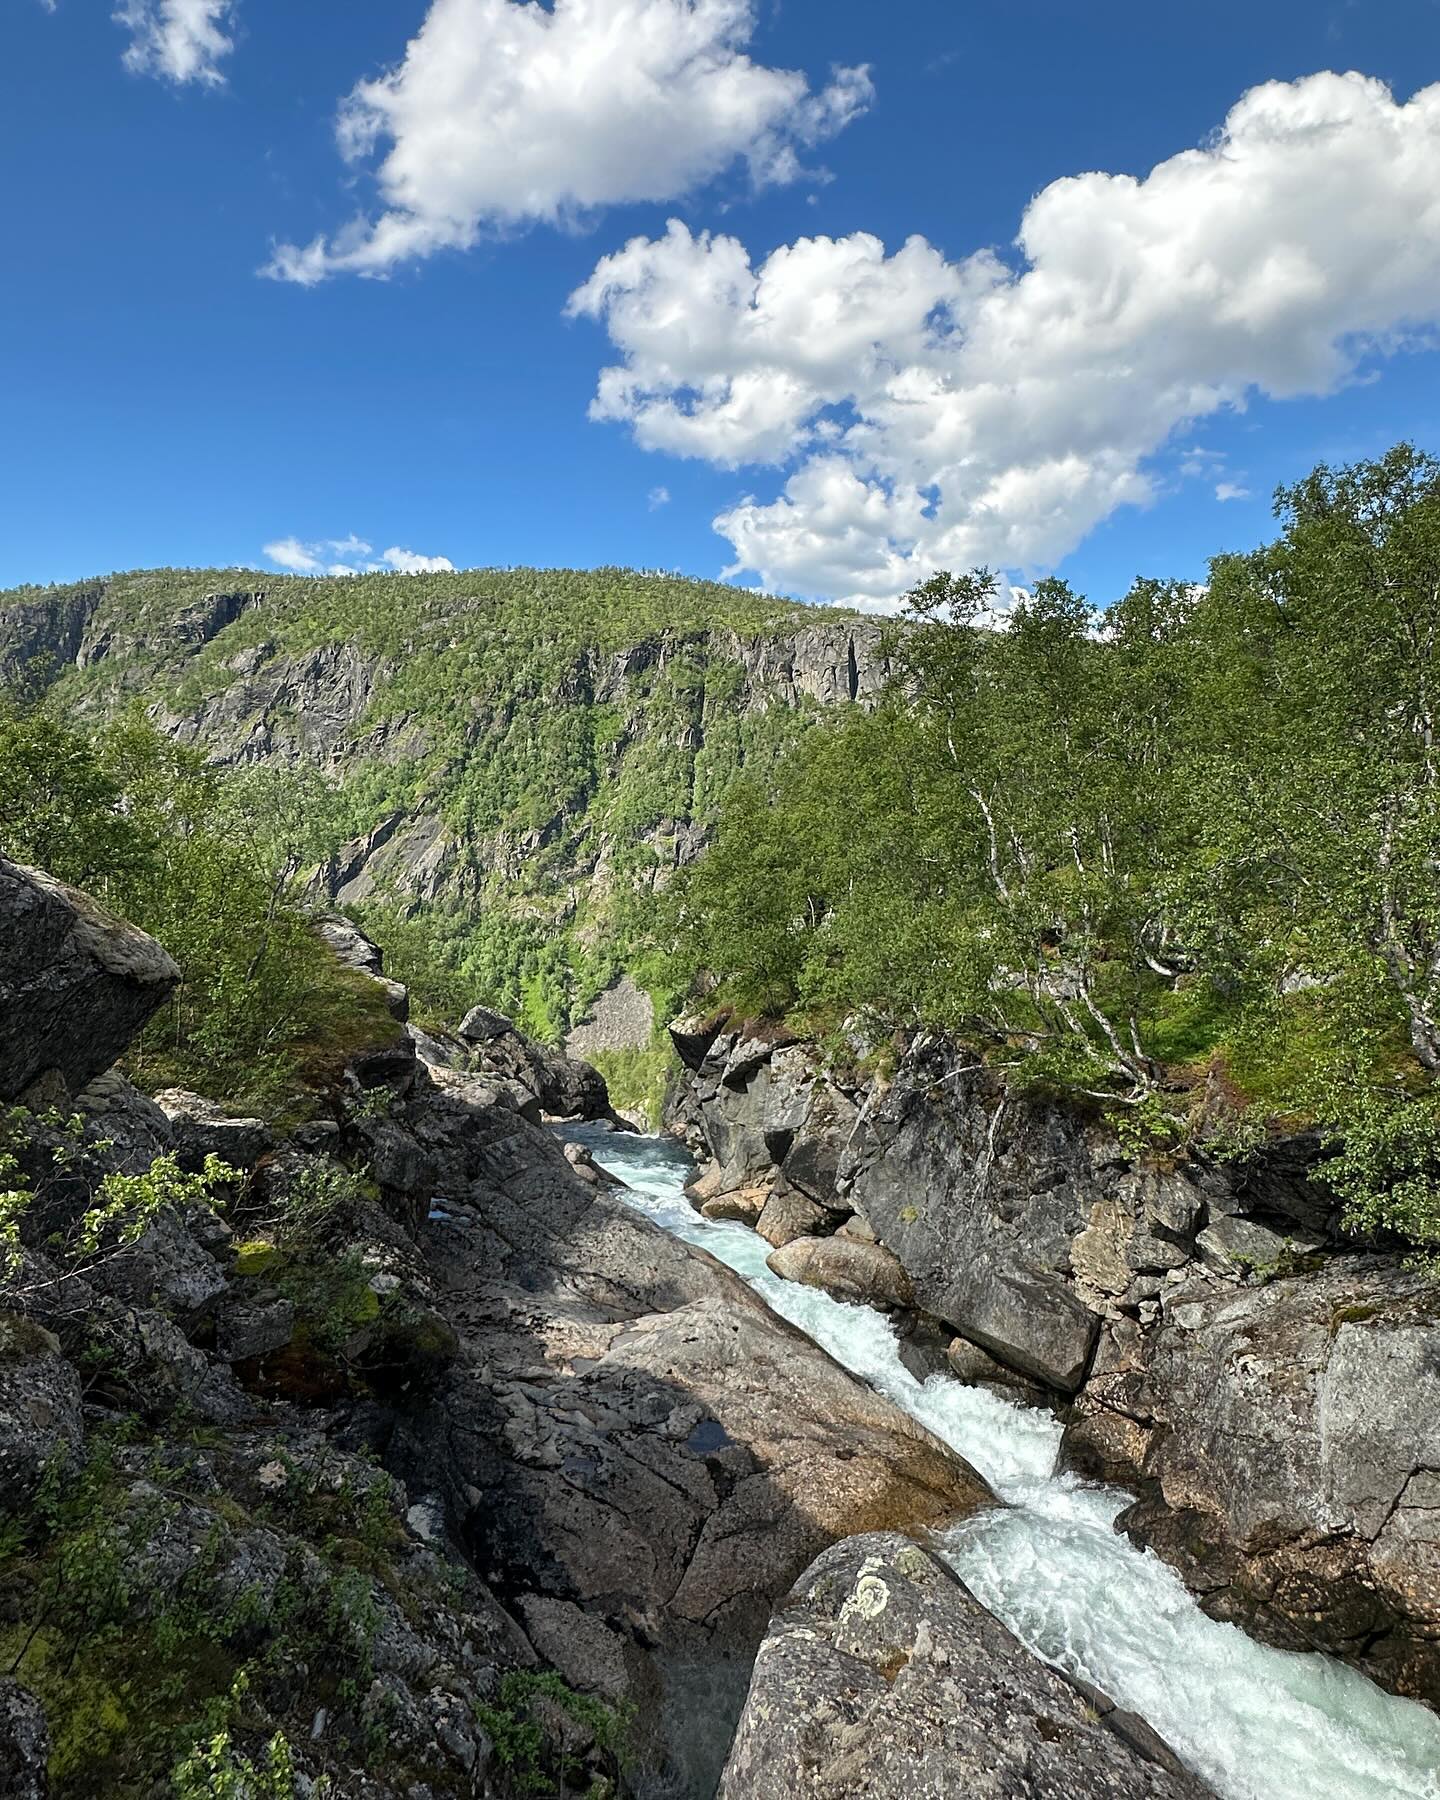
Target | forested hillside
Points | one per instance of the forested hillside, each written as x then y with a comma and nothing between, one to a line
520,755
1179,859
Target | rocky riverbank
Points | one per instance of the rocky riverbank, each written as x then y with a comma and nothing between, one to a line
1268,1388
385,1446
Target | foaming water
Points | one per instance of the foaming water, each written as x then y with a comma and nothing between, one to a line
1259,1724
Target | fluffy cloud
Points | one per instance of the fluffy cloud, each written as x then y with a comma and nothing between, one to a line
1230,490
177,40
323,558
931,413
502,114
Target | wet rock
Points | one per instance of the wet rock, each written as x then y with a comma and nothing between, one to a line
882,1676
39,1408
744,1206
789,1214
76,983
850,1270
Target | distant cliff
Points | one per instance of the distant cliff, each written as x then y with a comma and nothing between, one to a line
519,751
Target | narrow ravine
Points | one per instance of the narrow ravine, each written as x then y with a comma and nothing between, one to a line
1259,1724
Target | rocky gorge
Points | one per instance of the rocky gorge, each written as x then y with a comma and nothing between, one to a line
409,1458
1209,1336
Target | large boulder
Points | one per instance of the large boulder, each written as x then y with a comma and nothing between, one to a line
546,1082
628,1429
76,983
883,1676
1286,1438
846,1268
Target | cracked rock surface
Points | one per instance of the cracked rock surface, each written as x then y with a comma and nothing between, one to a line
883,1676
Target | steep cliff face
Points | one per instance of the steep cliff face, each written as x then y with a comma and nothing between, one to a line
1211,1337
519,751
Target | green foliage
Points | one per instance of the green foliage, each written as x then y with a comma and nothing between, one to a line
208,864
524,1747
217,1770
637,1079
116,1209
1114,850
547,718
1386,1168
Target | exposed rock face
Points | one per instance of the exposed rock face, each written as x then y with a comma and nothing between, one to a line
355,951
1283,1432
39,1408
622,1018
850,1270
24,1744
245,671
630,1431
545,1082
1288,1440
76,983
604,1422
882,1676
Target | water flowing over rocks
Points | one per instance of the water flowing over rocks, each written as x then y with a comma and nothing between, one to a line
881,1675
1213,1339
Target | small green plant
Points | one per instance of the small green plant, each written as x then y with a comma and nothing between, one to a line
522,1746
217,1770
121,1207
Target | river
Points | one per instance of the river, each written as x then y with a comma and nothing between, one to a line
1257,1723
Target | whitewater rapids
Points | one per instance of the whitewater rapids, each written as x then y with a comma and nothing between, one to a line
1257,1723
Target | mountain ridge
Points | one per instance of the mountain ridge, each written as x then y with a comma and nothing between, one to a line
518,753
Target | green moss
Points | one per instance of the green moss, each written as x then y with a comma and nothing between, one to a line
257,1257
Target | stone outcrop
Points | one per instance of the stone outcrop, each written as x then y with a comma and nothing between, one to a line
1286,1441
882,1676
24,1744
39,1408
847,1268
76,984
546,1083
1212,1337
622,1018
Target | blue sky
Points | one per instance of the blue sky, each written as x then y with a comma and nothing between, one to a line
171,403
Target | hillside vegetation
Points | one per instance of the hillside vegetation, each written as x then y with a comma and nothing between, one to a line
1181,857
523,755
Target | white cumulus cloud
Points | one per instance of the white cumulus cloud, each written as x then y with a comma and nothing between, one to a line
502,114
178,40
930,413
350,556
1230,490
